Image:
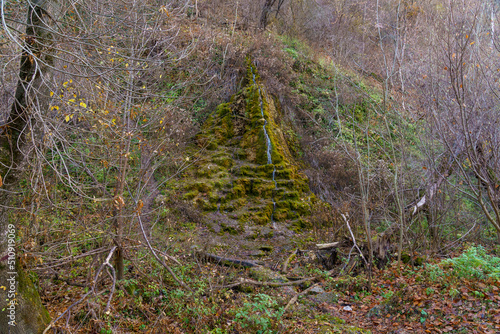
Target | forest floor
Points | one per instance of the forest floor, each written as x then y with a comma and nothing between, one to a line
429,296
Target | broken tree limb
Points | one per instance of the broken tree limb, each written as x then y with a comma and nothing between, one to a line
327,246
432,189
92,290
354,239
244,281
288,260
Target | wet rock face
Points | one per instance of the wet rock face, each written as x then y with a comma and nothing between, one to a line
246,171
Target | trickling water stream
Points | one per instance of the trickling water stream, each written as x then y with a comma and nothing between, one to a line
269,145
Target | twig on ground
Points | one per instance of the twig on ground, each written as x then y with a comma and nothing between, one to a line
68,281
92,290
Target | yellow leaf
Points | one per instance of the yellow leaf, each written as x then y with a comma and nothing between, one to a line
67,118
1,183
83,105
54,107
472,43
140,204
65,84
71,100
51,94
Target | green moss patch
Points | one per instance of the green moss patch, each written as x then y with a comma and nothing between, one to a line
234,176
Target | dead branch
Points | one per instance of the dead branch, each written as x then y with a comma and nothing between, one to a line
225,261
92,290
288,259
244,281
68,281
327,246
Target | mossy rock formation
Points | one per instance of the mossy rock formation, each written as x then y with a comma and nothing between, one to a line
246,170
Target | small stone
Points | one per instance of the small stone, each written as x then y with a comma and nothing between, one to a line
288,291
347,308
316,290
327,297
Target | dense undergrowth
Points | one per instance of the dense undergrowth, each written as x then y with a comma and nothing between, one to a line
402,298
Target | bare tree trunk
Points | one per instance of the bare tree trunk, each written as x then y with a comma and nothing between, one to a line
22,310
266,9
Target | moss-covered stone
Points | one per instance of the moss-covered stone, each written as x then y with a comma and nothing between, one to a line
190,195
264,274
237,177
300,224
208,170
225,162
229,229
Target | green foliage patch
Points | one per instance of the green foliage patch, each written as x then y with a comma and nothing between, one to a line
473,263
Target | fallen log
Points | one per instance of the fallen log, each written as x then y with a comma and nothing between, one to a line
225,261
246,281
327,246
